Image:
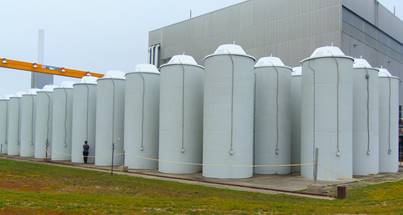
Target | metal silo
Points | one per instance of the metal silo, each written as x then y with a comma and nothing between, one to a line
295,105
27,126
388,122
84,112
62,122
366,119
13,125
181,116
272,116
43,122
142,117
3,124
228,113
110,119
327,115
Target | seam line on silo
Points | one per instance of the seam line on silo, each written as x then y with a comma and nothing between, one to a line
390,110
65,118
48,124
113,119
314,108
87,115
142,112
231,152
19,123
367,77
338,154
183,109
277,149
32,121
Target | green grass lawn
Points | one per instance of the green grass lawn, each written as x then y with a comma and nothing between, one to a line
27,188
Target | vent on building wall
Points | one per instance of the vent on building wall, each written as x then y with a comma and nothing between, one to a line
154,55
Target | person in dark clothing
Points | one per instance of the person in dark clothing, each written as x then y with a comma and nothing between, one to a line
86,151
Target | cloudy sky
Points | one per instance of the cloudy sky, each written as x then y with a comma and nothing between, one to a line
96,35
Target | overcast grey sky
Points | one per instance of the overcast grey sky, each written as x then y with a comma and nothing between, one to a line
96,35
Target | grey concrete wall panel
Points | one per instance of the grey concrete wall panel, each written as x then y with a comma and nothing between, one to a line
289,29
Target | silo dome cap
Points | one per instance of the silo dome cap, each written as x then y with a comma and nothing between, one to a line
114,74
328,51
32,91
384,73
19,94
66,85
48,88
230,49
361,63
296,71
148,68
182,59
270,62
88,80
5,97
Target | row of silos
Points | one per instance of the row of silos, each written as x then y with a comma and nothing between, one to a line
232,118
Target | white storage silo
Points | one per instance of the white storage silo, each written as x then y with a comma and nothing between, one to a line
228,113
272,116
327,115
366,119
3,124
295,105
181,116
388,122
27,126
13,125
142,117
62,122
43,122
110,119
84,112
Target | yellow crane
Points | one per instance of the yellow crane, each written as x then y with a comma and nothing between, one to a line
45,69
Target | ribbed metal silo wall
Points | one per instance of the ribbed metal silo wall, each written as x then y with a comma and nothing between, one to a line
84,121
62,124
142,120
296,89
181,119
13,142
110,122
228,116
3,125
43,125
27,126
272,120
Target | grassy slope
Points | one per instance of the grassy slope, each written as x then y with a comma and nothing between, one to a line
38,189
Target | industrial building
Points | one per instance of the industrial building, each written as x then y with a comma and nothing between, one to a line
289,29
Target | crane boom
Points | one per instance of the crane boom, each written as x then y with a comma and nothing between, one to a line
40,68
